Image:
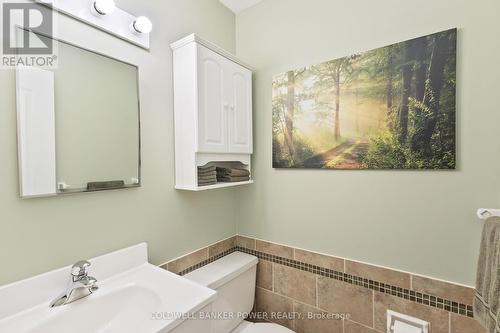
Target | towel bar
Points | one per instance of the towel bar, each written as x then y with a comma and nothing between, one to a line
484,213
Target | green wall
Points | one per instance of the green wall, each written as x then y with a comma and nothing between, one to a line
38,235
422,222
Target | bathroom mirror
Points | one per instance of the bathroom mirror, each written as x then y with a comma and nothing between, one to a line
78,124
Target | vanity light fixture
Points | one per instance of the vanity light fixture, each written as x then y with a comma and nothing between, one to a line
105,15
142,25
103,7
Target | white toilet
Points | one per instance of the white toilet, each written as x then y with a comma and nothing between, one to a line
233,277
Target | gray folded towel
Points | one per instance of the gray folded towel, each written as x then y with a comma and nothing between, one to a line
207,179
232,179
207,174
106,185
487,295
235,172
206,183
207,168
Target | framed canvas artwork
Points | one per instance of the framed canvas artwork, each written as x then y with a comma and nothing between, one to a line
388,108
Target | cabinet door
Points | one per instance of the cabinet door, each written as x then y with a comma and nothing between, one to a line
212,122
240,109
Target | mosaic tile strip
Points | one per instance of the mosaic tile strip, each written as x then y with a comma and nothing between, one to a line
407,294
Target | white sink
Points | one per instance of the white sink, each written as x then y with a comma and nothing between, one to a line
133,296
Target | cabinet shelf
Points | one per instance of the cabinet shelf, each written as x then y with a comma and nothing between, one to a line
213,187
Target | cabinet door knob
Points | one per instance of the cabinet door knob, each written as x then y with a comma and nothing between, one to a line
232,106
226,105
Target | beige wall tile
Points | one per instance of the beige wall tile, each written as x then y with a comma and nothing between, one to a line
462,324
320,260
246,242
380,274
437,318
274,249
265,274
352,327
222,246
178,265
295,284
271,304
443,289
313,320
339,297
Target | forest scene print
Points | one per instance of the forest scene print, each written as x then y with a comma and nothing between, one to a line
388,108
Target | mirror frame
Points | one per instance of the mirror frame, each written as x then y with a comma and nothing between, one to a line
58,192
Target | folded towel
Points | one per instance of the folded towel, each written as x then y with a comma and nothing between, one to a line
487,295
205,183
206,168
232,179
207,174
106,185
232,172
207,179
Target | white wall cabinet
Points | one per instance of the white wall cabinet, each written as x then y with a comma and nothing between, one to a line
213,109
224,104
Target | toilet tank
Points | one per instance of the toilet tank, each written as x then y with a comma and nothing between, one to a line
233,277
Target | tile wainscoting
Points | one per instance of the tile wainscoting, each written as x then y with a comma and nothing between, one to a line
325,294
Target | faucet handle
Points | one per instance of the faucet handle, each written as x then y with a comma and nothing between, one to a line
80,268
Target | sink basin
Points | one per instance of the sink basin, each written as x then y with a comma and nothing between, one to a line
121,310
142,298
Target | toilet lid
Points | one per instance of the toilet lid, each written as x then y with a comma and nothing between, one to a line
261,328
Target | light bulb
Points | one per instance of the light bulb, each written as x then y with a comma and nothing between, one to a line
142,25
104,7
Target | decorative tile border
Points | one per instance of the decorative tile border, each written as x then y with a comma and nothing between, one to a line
407,294
410,295
232,244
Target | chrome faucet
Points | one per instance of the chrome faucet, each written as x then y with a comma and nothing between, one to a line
80,286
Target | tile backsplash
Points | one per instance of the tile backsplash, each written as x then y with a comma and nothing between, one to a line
320,293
